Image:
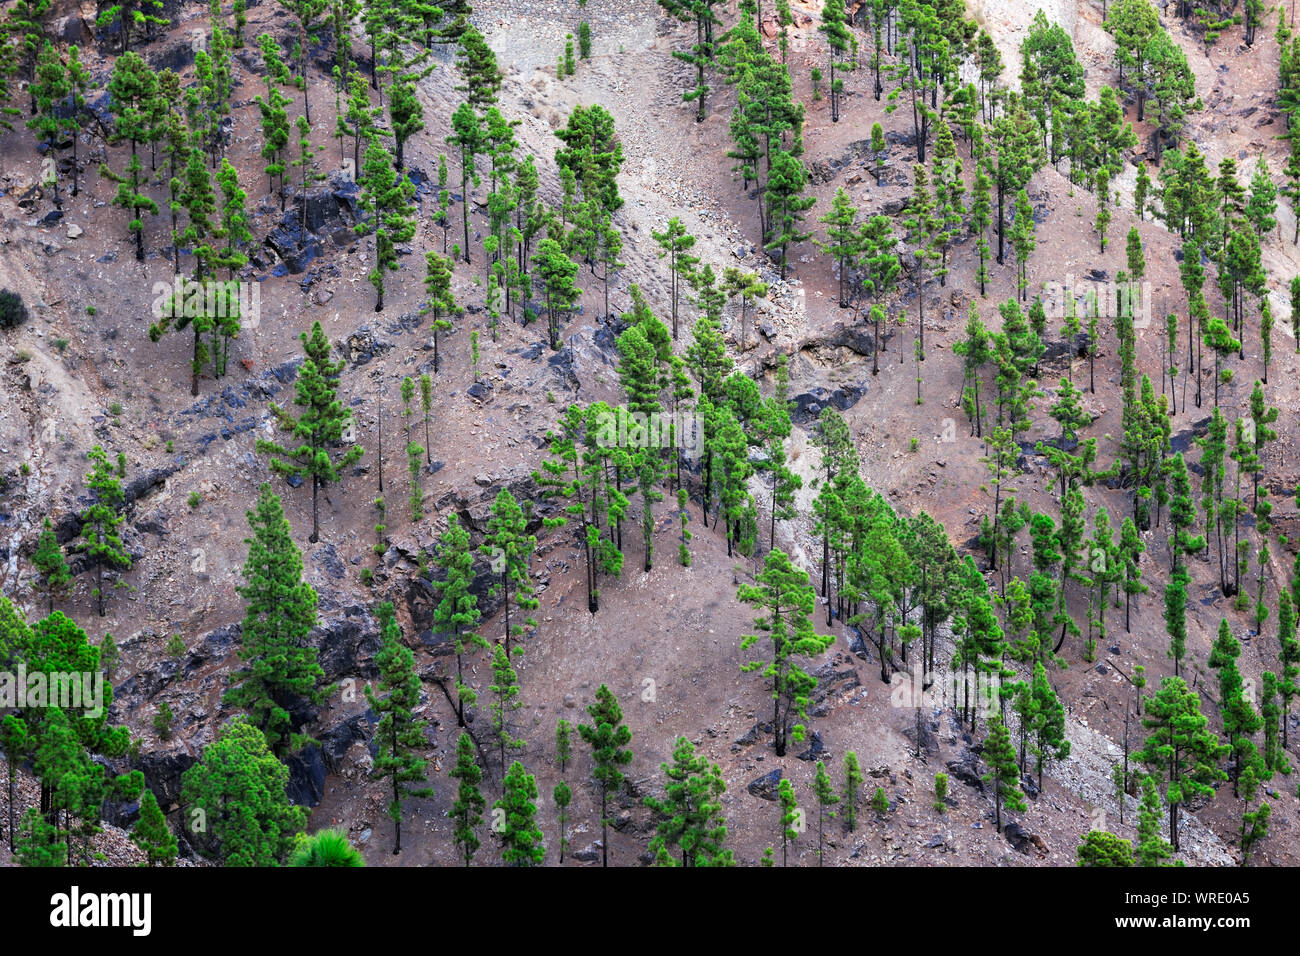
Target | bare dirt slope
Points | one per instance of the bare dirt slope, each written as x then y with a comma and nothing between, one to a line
676,628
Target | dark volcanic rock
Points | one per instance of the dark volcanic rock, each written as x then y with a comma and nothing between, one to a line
215,646
328,209
808,405
1023,841
816,749
765,787
328,559
306,777
966,771
347,644
162,774
338,740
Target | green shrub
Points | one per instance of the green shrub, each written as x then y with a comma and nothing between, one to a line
13,312
162,721
880,802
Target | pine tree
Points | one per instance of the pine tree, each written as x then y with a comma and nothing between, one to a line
1049,722
923,231
280,613
1102,848
785,597
467,810
193,193
325,847
563,743
750,288
51,89
407,115
505,700
1254,824
469,136
1219,338
638,373
305,164
1180,747
1152,848
457,611
835,25
786,181
39,843
842,238
1003,773
398,735
1022,240
15,743
236,233
108,655
441,302
949,188
1289,657
275,118
562,794
556,271
790,815
701,54
824,790
510,550
690,814
477,65
151,833
130,88
521,837
608,738
320,425
49,562
674,242
234,799
101,541
358,118
386,197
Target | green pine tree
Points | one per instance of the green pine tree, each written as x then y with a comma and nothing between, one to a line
690,813
386,198
608,738
151,833
786,597
398,734
457,611
467,810
101,541
48,560
1004,775
234,799
824,790
280,613
521,836
320,426
509,549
